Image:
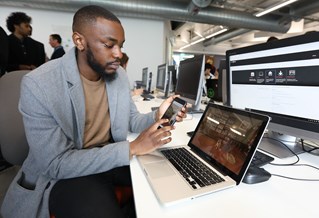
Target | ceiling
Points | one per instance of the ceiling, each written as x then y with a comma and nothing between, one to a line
196,20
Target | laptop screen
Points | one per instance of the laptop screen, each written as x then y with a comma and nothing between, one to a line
228,137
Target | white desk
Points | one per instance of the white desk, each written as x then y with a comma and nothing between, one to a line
278,197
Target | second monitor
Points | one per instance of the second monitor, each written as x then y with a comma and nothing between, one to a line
165,79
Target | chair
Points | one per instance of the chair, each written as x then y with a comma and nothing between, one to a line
13,142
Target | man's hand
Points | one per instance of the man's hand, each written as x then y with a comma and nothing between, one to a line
151,138
166,104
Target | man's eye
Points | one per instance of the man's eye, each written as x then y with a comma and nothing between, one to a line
108,45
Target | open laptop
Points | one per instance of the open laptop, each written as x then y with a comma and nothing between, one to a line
224,141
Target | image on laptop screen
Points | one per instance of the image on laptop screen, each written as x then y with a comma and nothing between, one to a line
227,138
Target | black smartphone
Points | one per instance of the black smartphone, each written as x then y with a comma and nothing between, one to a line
172,111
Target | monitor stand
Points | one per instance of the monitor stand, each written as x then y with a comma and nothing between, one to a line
270,144
191,110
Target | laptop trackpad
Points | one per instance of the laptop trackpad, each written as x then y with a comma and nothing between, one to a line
159,169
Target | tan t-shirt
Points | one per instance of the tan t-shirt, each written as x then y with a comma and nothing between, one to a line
97,116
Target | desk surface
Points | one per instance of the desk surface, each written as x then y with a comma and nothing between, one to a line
278,197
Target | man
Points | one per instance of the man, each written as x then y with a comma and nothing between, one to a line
3,51
124,63
77,111
209,71
24,52
55,42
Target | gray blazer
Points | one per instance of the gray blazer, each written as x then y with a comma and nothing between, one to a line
53,107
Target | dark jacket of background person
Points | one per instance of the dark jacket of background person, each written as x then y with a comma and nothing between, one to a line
3,51
28,52
58,52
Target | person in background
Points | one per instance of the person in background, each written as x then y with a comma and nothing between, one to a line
209,71
3,51
24,52
124,63
37,50
55,41
77,112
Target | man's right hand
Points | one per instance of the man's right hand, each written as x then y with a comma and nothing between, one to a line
151,138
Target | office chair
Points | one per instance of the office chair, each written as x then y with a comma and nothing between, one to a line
13,142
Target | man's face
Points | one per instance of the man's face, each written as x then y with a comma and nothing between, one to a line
52,42
103,48
23,29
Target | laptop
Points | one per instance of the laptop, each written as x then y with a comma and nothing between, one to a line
224,143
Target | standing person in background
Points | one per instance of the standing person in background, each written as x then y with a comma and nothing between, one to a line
55,41
209,71
37,51
3,51
124,63
25,53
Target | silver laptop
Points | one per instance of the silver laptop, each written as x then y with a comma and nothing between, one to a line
216,157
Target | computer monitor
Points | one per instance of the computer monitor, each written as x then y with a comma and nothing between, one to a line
280,79
144,78
190,81
172,70
163,81
222,82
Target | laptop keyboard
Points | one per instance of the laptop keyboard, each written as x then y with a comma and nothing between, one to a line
148,96
197,174
260,159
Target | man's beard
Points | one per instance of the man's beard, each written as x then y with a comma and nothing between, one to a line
99,69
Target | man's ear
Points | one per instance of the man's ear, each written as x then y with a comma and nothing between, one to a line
79,41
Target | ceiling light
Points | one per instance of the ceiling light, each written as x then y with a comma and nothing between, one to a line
205,37
273,8
216,33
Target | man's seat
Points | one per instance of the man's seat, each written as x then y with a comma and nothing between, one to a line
13,142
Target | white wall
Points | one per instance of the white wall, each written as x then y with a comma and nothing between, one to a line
144,42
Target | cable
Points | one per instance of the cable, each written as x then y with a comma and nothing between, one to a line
310,151
298,179
289,164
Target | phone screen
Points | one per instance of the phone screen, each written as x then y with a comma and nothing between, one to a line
172,111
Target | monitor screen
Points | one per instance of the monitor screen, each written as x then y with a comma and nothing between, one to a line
144,77
280,79
190,80
161,77
172,70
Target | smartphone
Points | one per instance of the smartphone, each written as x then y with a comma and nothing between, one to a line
172,111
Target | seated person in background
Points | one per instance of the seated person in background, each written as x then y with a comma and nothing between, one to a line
77,112
55,42
124,63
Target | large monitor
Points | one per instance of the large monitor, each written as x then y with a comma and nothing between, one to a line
280,79
190,81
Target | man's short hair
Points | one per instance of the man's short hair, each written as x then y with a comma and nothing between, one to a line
88,15
56,37
16,18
